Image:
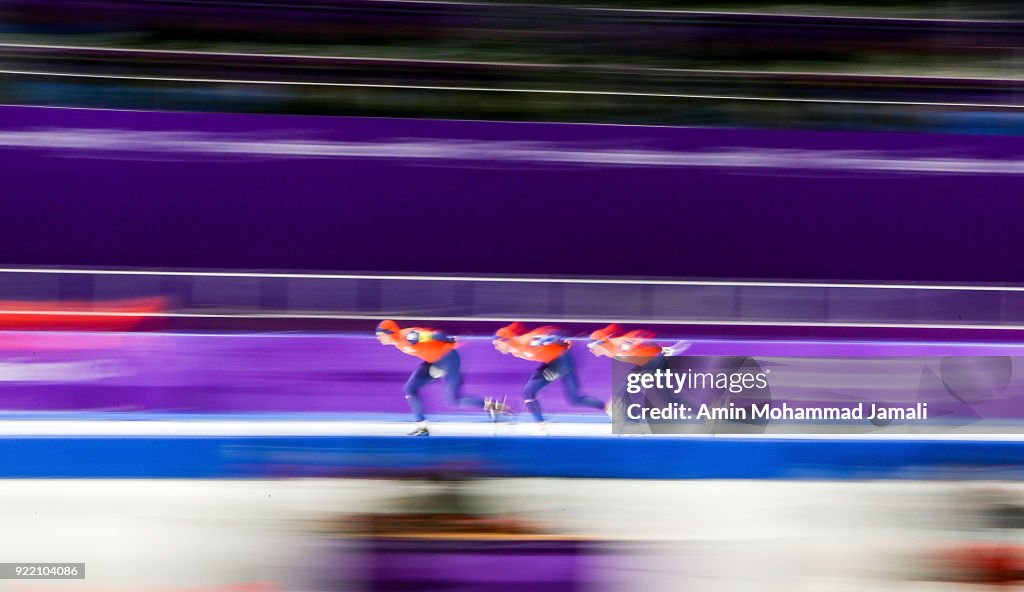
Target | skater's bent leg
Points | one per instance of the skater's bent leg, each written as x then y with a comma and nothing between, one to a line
571,383
451,366
573,395
534,385
420,378
621,399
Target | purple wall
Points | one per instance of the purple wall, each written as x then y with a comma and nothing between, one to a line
141,201
204,373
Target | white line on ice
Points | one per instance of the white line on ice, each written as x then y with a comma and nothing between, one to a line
240,427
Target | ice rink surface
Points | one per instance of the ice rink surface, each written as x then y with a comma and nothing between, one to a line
444,426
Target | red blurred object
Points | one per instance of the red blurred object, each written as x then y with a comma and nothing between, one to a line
986,563
112,315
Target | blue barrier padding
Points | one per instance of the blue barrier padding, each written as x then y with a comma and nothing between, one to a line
620,458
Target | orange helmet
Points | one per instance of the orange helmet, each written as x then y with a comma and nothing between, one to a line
599,338
605,333
387,328
509,331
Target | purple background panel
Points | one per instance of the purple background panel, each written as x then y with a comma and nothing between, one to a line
151,206
301,373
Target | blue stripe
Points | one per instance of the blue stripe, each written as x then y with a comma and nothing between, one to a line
628,458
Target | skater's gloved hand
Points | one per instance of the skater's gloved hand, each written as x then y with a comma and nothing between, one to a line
676,349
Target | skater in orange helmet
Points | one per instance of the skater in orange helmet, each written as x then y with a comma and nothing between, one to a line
635,347
437,350
546,346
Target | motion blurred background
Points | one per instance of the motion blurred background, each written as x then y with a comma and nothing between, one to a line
918,66
207,206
